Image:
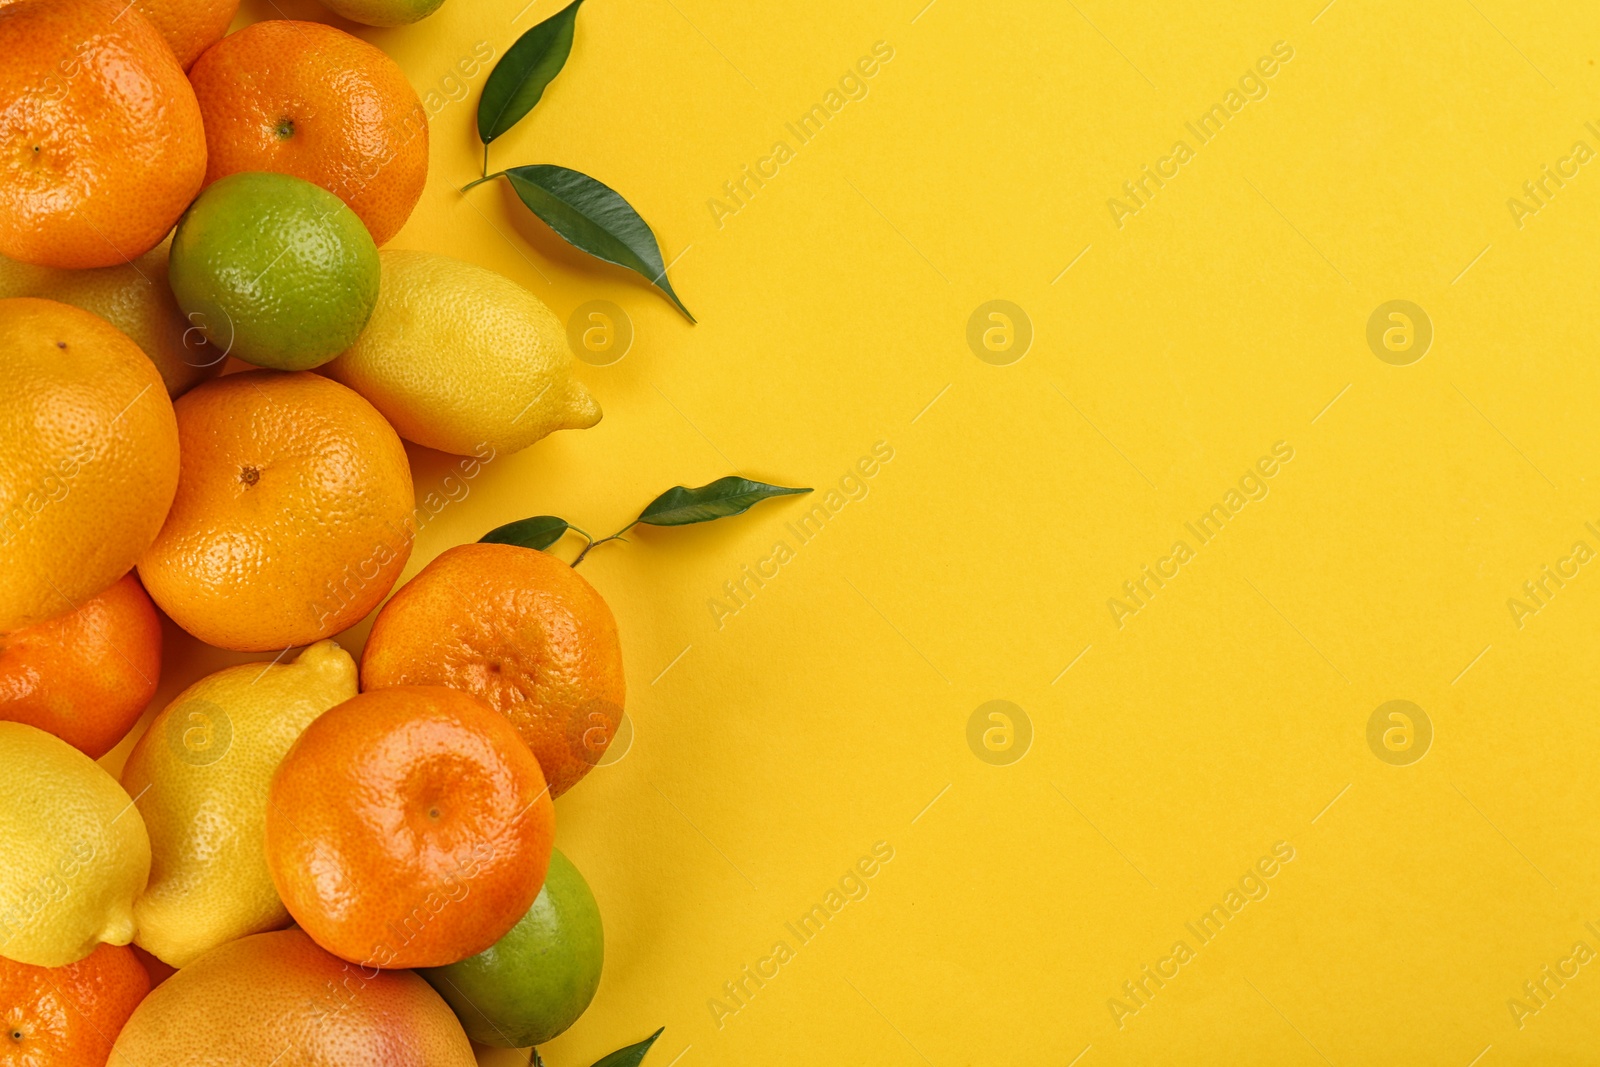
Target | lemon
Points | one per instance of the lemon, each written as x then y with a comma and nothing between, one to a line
201,773
134,298
462,359
73,851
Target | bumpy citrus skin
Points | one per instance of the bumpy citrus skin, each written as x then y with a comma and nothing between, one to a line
310,100
85,676
458,357
73,851
520,629
276,999
136,299
101,146
201,773
409,827
293,516
67,1016
534,982
88,458
189,26
274,270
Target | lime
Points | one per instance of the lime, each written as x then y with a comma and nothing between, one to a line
383,12
274,270
536,980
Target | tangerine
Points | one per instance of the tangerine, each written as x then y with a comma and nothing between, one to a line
292,516
101,145
67,1016
520,629
85,676
408,827
88,457
310,100
189,26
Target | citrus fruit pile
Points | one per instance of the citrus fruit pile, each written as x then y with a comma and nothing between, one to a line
207,366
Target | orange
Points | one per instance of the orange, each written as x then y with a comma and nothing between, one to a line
68,1016
189,26
408,827
277,1000
88,457
158,970
519,628
292,516
136,299
85,676
309,100
101,146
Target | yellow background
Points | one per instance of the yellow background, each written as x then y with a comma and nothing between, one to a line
1230,713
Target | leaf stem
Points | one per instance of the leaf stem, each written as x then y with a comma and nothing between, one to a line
480,181
600,541
533,1058
486,174
590,545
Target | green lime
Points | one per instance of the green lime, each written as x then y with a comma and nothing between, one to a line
536,980
274,270
383,12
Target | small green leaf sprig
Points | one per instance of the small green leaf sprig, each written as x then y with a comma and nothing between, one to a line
587,214
678,506
631,1056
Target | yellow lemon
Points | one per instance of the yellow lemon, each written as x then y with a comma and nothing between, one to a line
462,359
134,298
73,851
201,773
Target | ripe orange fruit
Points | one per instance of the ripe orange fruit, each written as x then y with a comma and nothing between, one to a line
277,1000
67,1016
189,26
293,513
85,676
101,146
88,457
408,827
309,100
520,629
136,299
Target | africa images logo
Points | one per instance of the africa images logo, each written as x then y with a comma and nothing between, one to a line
852,887
1252,86
1251,887
852,86
1252,486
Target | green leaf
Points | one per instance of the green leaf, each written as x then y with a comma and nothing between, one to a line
591,216
680,506
539,532
630,1056
519,79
